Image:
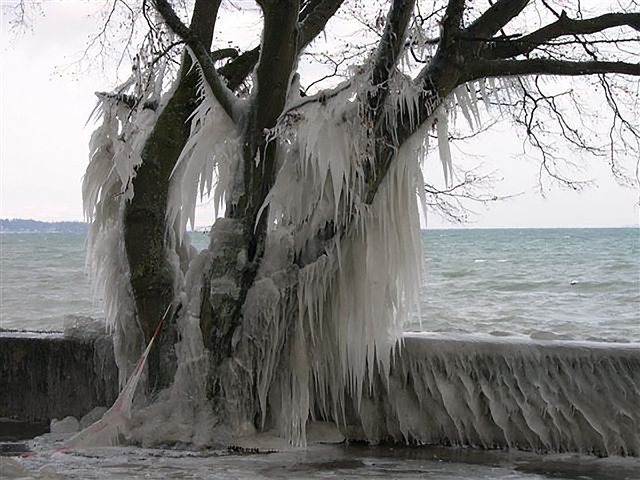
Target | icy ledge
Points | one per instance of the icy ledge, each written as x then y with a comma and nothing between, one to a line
486,392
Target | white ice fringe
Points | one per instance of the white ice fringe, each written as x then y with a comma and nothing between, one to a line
353,300
324,150
208,160
353,309
466,99
115,153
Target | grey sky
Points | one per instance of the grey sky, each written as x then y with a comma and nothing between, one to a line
46,98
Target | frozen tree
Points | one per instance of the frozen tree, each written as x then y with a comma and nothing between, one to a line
297,306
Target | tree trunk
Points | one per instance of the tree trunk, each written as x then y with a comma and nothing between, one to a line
148,241
146,229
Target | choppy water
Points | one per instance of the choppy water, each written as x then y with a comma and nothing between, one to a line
581,284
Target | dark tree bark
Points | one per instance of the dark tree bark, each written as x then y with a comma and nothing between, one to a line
146,230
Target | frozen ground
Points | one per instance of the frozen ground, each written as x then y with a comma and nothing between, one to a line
342,462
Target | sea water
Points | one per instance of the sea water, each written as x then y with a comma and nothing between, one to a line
569,284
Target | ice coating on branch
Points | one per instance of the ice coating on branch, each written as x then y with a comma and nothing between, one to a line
353,299
208,161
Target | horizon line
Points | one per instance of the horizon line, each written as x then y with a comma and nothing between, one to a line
200,228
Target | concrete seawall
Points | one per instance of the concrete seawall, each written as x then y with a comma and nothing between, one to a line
45,376
491,392
483,392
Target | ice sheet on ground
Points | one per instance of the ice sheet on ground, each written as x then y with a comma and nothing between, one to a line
316,462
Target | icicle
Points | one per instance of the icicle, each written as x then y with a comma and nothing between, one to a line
115,153
208,160
442,128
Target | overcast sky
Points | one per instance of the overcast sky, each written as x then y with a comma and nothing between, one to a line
46,97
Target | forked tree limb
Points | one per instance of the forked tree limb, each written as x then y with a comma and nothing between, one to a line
313,18
561,27
224,96
203,20
278,55
392,42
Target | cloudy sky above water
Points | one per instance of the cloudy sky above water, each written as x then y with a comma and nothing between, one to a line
47,96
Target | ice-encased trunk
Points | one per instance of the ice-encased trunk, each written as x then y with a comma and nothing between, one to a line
147,234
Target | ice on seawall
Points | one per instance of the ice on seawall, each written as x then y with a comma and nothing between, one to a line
486,393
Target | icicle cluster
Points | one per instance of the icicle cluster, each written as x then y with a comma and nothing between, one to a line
313,336
467,99
128,115
208,162
354,298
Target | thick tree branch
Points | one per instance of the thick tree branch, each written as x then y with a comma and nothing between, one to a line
389,49
436,81
146,232
201,52
203,12
222,53
278,55
543,66
237,70
495,18
452,19
313,19
561,27
385,60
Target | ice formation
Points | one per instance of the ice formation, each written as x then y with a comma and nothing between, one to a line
208,162
113,424
115,153
354,297
323,316
505,393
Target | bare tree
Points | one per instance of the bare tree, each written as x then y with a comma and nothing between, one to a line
268,298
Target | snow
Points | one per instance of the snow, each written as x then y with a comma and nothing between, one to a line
318,462
68,424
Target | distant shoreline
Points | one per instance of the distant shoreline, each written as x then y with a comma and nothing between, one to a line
27,225
22,225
